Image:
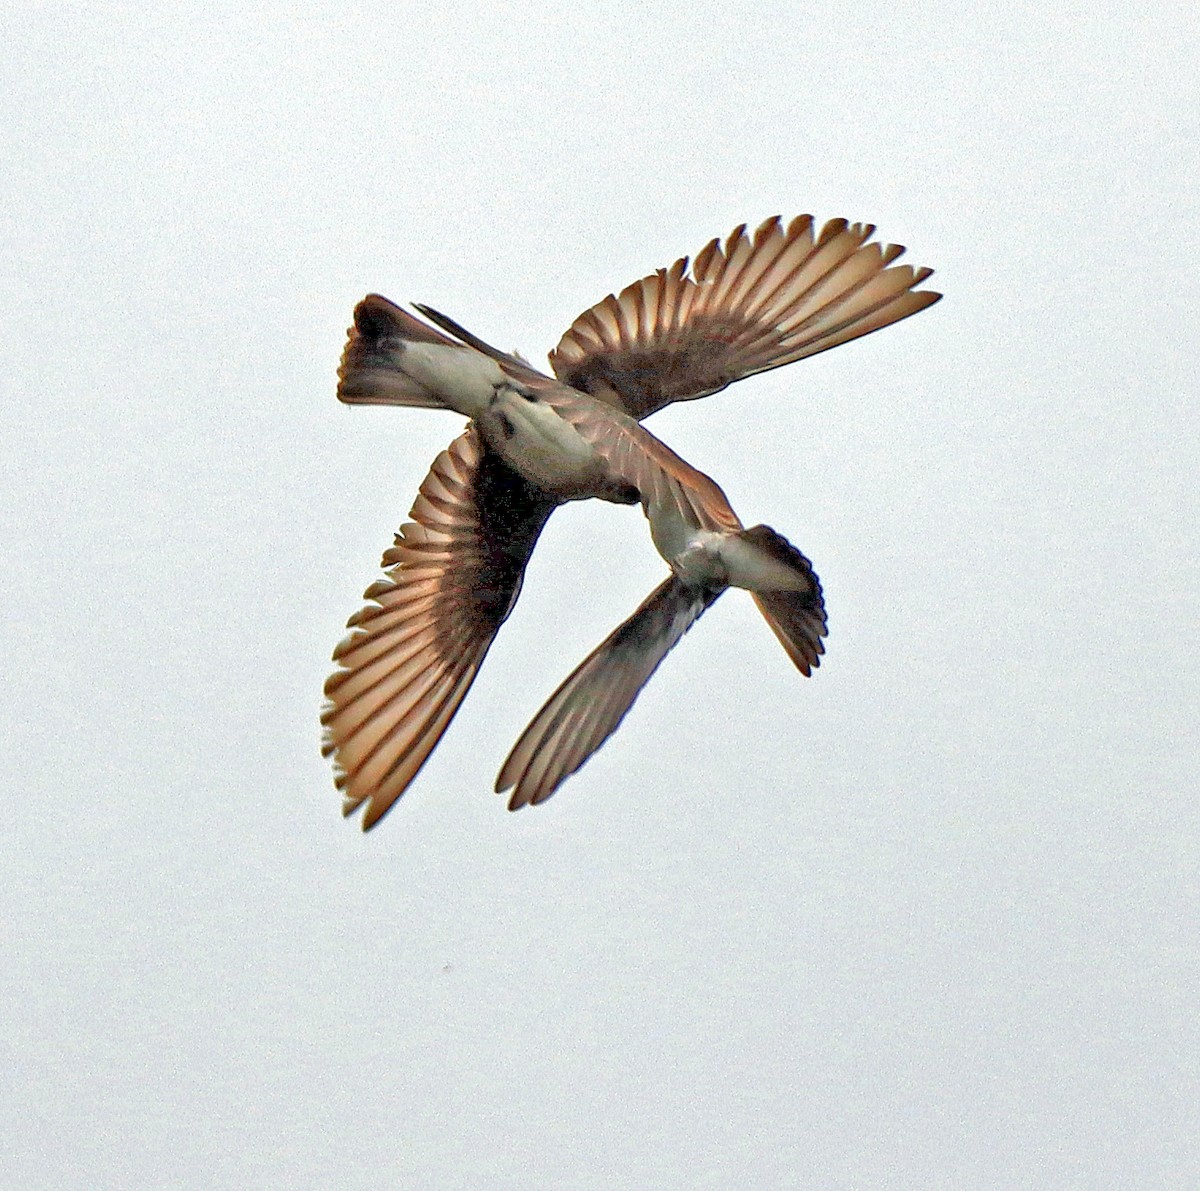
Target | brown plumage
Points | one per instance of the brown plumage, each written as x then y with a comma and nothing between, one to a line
415,648
534,441
754,303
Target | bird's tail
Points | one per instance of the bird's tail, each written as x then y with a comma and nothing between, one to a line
788,595
371,371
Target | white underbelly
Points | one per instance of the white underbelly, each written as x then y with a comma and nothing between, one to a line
709,558
532,439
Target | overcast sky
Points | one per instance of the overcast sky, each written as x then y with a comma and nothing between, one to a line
926,919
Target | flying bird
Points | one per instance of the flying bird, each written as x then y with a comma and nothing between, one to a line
754,302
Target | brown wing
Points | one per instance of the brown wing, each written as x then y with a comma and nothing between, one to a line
662,481
754,303
415,649
585,711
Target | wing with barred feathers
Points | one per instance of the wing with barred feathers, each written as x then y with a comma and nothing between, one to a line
754,303
588,707
415,648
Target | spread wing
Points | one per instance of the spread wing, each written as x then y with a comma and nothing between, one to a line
415,648
585,711
754,303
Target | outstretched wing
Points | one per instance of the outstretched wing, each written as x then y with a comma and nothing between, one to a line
754,303
585,711
415,649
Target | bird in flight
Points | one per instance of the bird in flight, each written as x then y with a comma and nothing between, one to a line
754,302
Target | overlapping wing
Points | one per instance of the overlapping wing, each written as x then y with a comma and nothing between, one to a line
670,488
414,650
754,303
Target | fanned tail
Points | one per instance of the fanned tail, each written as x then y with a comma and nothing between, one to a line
795,607
371,372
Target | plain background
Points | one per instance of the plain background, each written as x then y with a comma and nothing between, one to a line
927,919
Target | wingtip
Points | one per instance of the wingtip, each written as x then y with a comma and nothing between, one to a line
505,781
509,779
372,808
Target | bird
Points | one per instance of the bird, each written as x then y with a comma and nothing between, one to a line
534,441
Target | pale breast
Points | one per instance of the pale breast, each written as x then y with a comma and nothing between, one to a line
531,438
463,378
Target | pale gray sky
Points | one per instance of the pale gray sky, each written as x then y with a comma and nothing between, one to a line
927,919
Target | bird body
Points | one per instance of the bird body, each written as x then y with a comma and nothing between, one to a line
572,446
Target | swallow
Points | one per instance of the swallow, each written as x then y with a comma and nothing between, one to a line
535,441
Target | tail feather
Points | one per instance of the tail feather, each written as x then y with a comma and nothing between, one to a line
370,372
792,620
795,611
